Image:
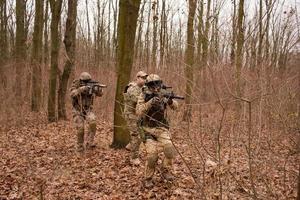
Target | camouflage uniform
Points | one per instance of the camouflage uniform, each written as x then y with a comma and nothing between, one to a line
131,95
156,129
82,103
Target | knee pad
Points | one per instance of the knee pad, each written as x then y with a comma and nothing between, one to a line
169,151
80,130
152,159
93,127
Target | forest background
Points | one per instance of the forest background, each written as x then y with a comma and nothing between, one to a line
236,63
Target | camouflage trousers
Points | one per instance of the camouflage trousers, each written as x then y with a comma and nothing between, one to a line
79,119
135,140
161,143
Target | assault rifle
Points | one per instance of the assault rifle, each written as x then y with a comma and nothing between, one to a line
165,87
92,85
166,94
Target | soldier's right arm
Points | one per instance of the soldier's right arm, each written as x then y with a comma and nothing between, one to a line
133,93
142,107
76,89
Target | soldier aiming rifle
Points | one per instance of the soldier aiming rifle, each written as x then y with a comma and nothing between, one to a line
83,92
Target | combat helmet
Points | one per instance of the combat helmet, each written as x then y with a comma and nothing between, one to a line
153,80
85,76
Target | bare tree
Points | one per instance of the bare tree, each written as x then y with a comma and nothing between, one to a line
3,41
127,22
189,60
70,42
205,45
55,6
46,48
233,39
155,7
163,34
239,51
36,57
20,53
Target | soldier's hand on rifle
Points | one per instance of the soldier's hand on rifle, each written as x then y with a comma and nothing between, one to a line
83,89
155,101
169,101
98,90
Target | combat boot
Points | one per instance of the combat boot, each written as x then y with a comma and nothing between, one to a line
91,135
135,161
80,140
167,175
80,148
148,183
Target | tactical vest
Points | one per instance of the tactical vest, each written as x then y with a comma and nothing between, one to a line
130,100
156,116
83,103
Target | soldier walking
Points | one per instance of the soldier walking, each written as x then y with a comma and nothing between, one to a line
83,95
131,94
151,108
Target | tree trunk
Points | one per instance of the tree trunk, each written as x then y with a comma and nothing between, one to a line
147,41
70,42
205,50
239,51
109,35
36,58
154,45
298,185
46,48
163,25
20,47
127,21
114,37
233,39
138,42
3,42
189,60
55,6
200,31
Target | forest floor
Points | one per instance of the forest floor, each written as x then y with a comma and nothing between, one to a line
39,161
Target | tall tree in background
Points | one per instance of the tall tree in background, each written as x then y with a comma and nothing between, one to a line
189,60
55,6
239,50
205,44
70,42
3,41
162,34
20,53
155,8
127,22
36,57
233,39
46,48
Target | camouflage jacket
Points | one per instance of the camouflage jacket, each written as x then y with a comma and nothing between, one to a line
82,101
153,115
131,94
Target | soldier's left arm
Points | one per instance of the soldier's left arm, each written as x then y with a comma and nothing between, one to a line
99,92
133,93
142,107
173,105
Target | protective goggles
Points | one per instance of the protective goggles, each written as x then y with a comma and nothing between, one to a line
154,84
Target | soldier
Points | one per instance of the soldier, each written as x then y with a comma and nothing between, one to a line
151,108
82,102
131,94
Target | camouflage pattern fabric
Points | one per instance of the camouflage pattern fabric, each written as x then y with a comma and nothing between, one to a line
82,112
131,94
157,138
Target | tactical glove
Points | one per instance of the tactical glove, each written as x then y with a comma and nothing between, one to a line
155,101
83,89
169,101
